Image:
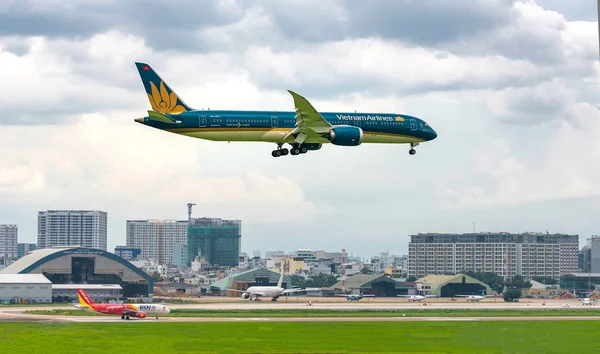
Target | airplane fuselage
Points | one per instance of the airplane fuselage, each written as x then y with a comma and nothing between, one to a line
273,126
120,309
266,291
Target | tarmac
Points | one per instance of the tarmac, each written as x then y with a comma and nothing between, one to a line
17,313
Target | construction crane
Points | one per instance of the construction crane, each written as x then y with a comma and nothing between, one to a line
190,205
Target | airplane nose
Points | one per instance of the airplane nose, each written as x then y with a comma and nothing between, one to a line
432,134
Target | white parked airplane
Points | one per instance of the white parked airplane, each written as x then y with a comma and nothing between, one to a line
267,291
417,297
474,297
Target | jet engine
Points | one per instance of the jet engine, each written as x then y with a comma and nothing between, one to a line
246,296
140,314
345,135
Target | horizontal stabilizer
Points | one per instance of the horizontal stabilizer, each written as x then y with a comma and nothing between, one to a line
159,117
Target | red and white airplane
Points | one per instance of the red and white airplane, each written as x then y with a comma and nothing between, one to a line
125,310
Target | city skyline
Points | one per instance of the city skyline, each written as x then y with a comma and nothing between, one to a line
401,249
511,87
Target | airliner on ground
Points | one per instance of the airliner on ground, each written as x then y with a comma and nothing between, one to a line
303,129
125,310
267,291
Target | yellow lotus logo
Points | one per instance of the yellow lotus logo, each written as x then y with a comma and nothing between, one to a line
162,101
399,119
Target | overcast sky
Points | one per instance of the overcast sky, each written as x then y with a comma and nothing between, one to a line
511,87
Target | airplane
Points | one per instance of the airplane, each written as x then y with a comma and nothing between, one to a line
417,297
303,129
125,310
267,291
354,297
474,297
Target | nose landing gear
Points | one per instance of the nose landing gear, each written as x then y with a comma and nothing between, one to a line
412,151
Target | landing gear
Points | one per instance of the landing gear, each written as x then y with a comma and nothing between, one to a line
295,150
122,317
412,150
279,151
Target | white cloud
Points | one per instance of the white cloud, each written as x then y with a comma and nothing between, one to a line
104,160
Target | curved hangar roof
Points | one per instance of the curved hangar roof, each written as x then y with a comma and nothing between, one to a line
58,261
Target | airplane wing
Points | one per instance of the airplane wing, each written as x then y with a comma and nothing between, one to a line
292,291
462,295
309,122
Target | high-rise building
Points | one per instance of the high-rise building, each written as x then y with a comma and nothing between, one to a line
528,254
156,238
8,241
216,240
24,248
85,228
180,255
593,245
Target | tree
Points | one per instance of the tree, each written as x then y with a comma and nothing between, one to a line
156,277
512,294
365,270
321,280
298,281
518,282
411,278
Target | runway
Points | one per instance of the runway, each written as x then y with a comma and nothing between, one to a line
17,313
370,304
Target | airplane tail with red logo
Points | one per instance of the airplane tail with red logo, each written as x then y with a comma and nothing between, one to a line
84,299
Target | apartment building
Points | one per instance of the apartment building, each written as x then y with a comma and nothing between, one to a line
86,228
527,254
8,241
156,239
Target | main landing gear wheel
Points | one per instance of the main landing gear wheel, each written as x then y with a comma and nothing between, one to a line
122,317
279,151
295,150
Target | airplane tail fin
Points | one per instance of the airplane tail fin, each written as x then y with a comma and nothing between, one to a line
280,282
162,98
84,299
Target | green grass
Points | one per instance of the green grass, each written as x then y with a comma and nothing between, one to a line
345,313
332,337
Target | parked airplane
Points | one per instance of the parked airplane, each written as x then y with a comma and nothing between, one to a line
125,310
474,297
267,291
305,129
417,297
354,297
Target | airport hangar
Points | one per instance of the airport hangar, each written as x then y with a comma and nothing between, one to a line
81,265
452,285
